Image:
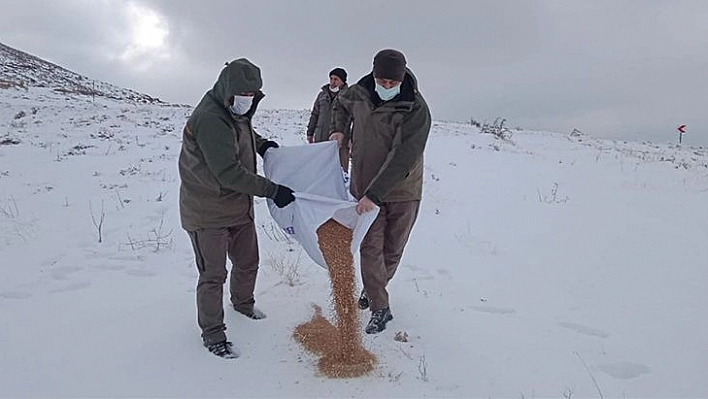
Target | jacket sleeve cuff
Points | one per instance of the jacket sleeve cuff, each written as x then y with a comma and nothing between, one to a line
373,197
272,191
265,146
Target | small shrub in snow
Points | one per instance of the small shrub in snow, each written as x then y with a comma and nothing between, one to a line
9,141
423,369
275,233
401,336
131,170
497,129
287,265
98,221
18,124
7,84
552,197
157,239
79,149
9,209
102,134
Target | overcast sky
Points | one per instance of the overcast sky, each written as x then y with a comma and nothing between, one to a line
616,69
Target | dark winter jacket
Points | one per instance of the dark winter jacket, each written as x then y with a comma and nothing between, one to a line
388,139
320,117
217,164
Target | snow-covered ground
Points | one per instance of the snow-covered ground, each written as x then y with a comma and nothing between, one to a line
541,266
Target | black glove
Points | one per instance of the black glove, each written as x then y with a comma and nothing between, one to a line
283,196
265,146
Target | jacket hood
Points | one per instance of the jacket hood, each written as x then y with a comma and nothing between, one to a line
238,76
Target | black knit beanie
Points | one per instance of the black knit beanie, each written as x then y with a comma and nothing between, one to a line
390,64
340,73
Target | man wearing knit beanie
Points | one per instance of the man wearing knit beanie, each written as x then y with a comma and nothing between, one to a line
320,117
390,130
340,73
390,64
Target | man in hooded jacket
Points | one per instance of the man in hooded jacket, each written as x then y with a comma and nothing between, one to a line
217,167
391,123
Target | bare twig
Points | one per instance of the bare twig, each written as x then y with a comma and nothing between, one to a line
405,353
553,197
594,381
98,224
497,129
287,266
423,368
156,239
120,200
277,234
11,210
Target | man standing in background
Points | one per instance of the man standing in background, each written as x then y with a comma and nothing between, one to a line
320,117
318,128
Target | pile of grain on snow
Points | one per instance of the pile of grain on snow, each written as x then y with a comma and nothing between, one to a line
340,346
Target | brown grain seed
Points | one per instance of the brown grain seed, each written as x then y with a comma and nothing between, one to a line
343,356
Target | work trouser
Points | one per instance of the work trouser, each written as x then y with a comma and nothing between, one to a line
382,248
211,247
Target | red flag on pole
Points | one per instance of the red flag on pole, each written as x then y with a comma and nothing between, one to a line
681,129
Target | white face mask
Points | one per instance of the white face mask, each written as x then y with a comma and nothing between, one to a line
387,94
334,89
241,105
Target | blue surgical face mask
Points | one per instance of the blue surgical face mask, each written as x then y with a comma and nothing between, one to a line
241,105
387,94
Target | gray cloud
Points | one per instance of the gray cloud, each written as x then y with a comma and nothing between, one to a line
628,70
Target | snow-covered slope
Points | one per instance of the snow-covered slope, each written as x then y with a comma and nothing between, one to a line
540,266
21,70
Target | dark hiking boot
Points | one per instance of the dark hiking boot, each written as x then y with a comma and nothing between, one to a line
363,301
253,313
223,349
378,321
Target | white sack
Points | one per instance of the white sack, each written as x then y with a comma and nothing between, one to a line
313,171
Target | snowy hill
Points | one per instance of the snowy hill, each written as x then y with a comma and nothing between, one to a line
21,70
543,265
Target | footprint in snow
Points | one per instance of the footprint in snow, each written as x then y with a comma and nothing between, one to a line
71,287
15,295
623,370
52,261
110,267
141,273
493,310
444,272
62,272
584,329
